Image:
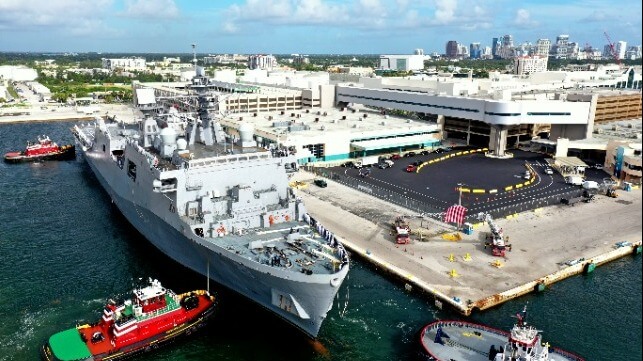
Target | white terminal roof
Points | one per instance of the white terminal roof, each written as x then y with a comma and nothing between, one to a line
316,122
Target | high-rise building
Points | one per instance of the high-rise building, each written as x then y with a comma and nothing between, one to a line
530,64
495,46
132,63
261,61
452,49
418,52
301,60
620,48
543,46
475,51
486,53
463,51
634,52
506,49
562,49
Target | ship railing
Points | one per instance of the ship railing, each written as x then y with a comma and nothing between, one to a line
193,220
168,188
228,159
566,354
221,217
193,185
82,137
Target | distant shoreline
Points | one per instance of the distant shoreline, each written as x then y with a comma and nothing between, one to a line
34,115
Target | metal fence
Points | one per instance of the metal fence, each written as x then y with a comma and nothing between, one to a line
435,210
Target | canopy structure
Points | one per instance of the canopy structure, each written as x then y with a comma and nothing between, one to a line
393,142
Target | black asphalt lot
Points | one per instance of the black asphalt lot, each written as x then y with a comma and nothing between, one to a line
437,184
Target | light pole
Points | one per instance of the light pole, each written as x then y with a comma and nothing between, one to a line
460,193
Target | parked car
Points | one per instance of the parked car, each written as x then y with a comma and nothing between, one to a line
438,151
410,154
348,164
320,183
395,157
598,166
411,168
425,152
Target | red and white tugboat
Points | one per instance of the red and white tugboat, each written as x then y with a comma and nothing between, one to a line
153,317
44,149
460,340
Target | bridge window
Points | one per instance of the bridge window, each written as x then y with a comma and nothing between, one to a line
131,169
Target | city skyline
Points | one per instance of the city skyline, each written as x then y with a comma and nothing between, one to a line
305,26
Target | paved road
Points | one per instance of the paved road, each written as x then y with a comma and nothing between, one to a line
436,184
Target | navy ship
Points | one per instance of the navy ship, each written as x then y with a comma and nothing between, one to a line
220,207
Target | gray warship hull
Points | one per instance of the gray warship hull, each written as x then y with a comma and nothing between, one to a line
300,298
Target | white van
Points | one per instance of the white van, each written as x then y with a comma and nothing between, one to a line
590,185
574,180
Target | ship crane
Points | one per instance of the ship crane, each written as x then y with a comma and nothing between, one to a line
496,238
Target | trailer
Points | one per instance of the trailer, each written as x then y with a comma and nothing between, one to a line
367,161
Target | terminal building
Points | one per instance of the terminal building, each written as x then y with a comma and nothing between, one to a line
332,122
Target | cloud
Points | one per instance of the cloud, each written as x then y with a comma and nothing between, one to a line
445,11
151,9
596,16
523,19
71,15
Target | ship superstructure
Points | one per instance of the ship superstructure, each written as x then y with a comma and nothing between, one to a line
220,207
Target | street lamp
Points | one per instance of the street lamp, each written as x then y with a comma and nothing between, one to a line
460,193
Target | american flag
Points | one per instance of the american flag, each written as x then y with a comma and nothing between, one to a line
455,214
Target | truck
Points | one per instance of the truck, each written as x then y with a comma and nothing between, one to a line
574,180
495,239
367,161
402,231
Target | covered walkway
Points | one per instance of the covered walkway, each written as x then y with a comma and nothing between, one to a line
377,145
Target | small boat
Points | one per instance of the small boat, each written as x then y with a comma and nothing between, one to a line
153,317
460,340
43,149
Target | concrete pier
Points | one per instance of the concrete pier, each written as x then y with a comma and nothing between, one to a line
549,244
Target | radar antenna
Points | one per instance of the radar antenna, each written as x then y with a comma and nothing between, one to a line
194,55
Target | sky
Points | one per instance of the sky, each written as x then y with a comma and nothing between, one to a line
305,26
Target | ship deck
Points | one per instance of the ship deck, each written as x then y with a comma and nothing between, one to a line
295,241
464,342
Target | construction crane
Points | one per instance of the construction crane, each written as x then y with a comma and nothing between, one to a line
613,52
495,239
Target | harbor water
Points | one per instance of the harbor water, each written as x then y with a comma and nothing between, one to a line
65,249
